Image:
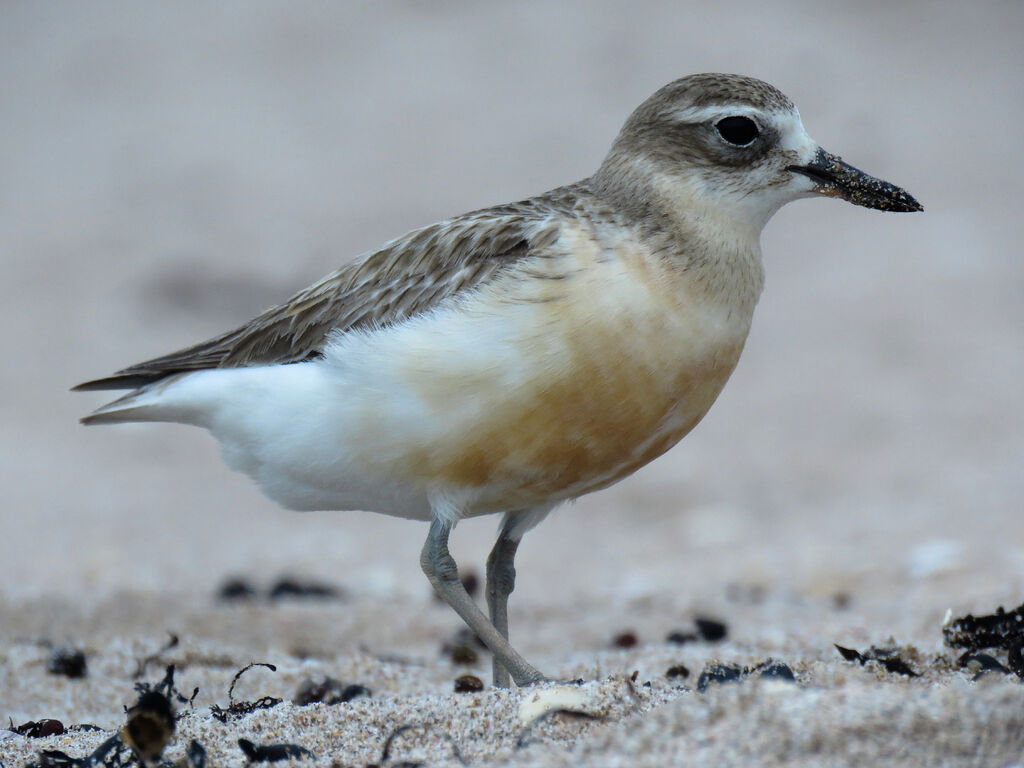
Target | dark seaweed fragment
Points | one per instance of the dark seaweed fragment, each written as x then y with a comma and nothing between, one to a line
112,753
38,729
711,630
888,658
303,590
328,691
997,630
69,662
718,673
775,670
271,753
237,709
143,663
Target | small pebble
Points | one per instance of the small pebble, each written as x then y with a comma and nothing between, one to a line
468,684
625,640
711,630
677,671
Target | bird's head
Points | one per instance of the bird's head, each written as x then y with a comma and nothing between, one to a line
715,144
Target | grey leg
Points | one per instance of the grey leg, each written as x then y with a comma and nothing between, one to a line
440,568
501,580
501,574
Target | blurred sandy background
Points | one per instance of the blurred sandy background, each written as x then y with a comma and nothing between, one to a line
167,171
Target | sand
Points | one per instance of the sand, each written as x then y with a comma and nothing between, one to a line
166,172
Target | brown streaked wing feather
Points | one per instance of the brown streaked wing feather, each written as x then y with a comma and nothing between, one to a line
407,276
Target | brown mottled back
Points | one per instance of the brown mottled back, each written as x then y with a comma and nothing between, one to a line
407,276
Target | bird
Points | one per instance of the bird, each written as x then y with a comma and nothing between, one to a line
516,357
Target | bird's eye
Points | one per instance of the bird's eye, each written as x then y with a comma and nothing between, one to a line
737,130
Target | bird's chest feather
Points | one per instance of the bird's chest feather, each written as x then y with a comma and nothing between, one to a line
595,374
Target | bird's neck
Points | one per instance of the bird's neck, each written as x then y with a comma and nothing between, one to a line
718,246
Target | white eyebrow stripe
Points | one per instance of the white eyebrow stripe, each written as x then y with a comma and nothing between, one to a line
715,112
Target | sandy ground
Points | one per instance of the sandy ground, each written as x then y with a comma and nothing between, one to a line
168,171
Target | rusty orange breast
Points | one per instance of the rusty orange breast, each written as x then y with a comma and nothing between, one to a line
610,374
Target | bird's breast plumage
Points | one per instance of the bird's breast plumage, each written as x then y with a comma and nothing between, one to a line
566,374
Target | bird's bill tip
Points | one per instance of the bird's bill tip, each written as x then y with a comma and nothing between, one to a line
835,178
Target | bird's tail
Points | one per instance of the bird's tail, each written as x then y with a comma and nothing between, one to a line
148,403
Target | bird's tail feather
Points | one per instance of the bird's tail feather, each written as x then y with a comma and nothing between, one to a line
146,404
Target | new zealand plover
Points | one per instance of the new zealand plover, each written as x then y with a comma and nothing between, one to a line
515,357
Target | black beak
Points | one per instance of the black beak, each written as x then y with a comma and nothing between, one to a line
835,178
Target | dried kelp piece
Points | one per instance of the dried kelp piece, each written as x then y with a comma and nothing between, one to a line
849,654
353,691
150,725
1015,657
718,673
67,661
888,658
385,754
286,587
271,753
774,670
38,729
236,589
681,638
468,684
328,691
112,753
239,709
195,756
144,662
708,629
304,590
898,666
997,630
167,688
243,708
